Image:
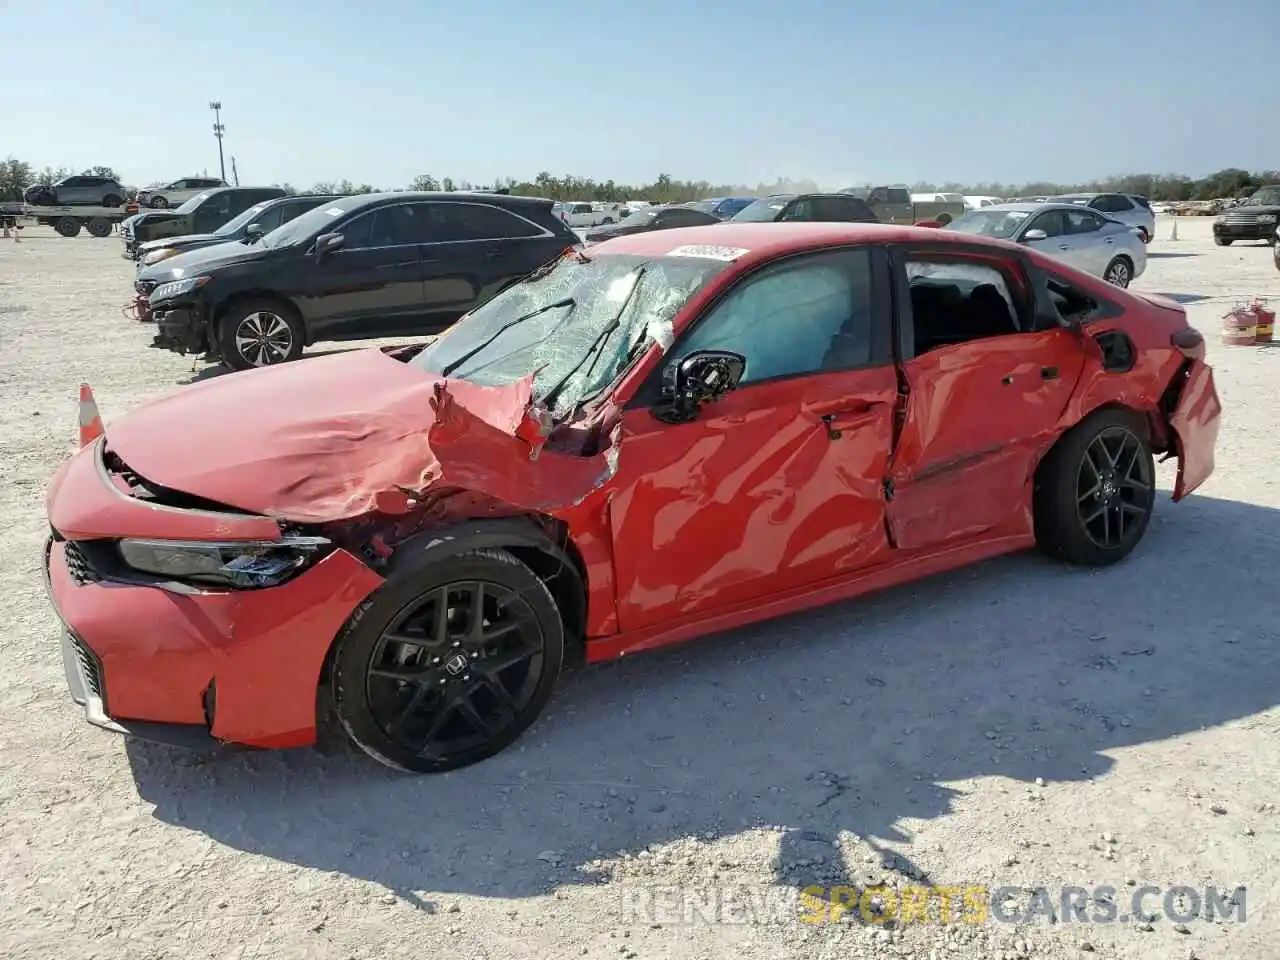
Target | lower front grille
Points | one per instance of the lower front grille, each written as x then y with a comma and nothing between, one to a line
90,667
78,565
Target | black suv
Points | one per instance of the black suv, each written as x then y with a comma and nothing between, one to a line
257,221
807,208
376,265
1254,218
203,213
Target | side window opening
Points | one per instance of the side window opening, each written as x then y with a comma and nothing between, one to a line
807,316
1071,303
955,301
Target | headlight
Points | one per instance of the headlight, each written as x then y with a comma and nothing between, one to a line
244,564
155,256
176,288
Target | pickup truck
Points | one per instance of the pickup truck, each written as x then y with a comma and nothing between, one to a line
894,205
203,213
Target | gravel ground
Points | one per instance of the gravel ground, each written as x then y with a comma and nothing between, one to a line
1014,724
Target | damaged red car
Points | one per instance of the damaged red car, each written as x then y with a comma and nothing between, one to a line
676,433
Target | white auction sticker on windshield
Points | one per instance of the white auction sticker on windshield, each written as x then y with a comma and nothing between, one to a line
708,252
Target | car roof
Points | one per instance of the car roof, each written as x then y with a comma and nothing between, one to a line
767,241
365,201
1029,206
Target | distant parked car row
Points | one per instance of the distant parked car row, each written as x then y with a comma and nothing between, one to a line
251,277
375,265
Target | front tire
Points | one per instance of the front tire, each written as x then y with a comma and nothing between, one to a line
943,219
1221,242
259,333
67,226
1119,272
448,662
1095,490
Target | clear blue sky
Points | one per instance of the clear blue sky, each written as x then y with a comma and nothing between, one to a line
743,91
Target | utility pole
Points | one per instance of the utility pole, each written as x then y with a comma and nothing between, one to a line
218,131
235,174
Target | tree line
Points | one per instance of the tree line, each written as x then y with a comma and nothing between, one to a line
16,175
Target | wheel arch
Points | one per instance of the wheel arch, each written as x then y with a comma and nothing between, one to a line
540,542
224,306
1151,421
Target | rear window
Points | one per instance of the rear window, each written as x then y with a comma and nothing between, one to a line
1142,202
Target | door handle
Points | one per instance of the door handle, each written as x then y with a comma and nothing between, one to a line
839,421
1007,379
1109,240
1065,246
1049,373
495,252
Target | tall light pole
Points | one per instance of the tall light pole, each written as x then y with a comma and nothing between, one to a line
218,130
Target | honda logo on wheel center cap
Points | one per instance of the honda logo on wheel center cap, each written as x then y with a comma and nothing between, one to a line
455,664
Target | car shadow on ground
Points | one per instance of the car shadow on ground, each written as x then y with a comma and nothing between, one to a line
1184,298
849,718
1171,256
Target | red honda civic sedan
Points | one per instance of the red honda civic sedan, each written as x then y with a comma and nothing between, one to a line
671,434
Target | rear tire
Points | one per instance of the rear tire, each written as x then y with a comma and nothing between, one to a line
943,218
396,688
260,333
159,203
99,227
1095,490
1221,242
112,200
67,226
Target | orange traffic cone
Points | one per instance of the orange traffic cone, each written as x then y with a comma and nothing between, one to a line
90,420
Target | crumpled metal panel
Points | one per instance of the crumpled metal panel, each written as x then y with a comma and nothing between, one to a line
338,437
755,497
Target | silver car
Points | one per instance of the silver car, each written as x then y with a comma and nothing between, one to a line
1126,207
1068,232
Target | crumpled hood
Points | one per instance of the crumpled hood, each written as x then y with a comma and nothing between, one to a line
336,437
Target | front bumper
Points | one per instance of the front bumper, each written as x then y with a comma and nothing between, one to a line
198,669
180,328
1245,231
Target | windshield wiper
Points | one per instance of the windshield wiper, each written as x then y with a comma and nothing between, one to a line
566,302
594,350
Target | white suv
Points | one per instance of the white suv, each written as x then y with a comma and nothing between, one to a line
177,193
1126,207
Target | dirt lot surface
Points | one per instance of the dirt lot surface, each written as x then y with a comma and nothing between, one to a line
1016,724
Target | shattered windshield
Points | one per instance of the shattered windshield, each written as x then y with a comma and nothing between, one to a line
548,325
1001,224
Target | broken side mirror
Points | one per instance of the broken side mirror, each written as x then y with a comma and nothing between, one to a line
1031,236
697,379
326,244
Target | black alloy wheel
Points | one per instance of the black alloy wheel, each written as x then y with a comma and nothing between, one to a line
1095,490
1113,488
459,668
